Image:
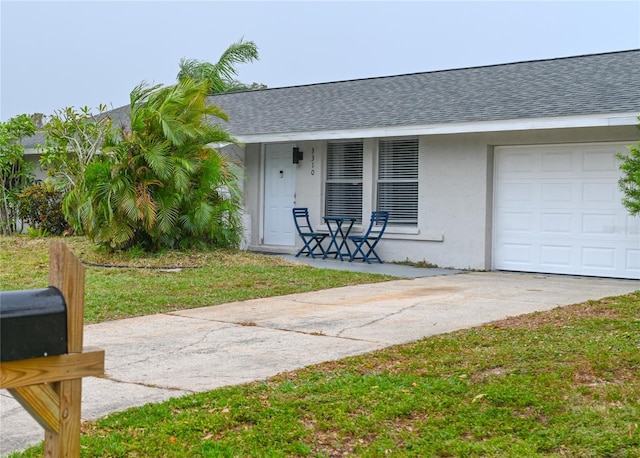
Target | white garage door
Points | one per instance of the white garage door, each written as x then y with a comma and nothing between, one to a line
557,210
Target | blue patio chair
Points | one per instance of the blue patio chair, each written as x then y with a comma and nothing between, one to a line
366,244
312,240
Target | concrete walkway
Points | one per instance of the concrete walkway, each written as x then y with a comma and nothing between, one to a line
154,358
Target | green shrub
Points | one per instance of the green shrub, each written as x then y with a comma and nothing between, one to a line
41,208
15,172
629,183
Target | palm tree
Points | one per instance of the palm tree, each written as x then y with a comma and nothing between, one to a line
221,75
166,186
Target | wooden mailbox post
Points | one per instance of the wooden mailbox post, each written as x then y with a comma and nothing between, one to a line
50,387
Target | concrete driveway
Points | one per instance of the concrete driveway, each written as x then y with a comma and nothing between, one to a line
154,358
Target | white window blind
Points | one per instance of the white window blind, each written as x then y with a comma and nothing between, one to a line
397,190
343,195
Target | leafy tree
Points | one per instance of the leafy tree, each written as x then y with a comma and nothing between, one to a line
41,207
39,119
221,75
164,185
237,86
15,172
73,140
629,183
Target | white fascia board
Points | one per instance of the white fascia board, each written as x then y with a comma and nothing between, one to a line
565,122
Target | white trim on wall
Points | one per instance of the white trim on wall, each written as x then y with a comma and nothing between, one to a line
601,120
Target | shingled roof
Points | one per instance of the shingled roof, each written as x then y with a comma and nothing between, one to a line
583,85
595,84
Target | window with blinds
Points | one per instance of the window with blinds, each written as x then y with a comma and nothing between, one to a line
397,187
343,196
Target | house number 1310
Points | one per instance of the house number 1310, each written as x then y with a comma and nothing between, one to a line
313,161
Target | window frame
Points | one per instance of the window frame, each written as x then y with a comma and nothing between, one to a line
344,180
396,178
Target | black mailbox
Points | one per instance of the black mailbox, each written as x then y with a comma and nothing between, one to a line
33,323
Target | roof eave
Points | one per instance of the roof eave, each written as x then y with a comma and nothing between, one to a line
564,122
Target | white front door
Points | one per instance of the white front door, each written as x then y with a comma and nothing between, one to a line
558,210
279,195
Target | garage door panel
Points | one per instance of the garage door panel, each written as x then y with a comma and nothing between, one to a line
600,258
518,163
630,227
517,222
632,260
598,224
556,256
518,192
598,193
558,161
557,223
599,161
557,192
517,254
558,209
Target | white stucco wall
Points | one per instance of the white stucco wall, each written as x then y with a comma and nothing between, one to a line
452,205
252,193
456,191
451,228
309,179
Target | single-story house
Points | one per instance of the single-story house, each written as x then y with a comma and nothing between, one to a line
501,167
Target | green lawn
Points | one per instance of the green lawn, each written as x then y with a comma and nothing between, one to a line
563,383
206,278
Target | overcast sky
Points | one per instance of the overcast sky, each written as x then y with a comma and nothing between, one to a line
56,54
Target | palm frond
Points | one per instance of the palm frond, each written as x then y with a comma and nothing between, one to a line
239,52
216,134
145,204
157,156
220,75
182,178
168,213
137,100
